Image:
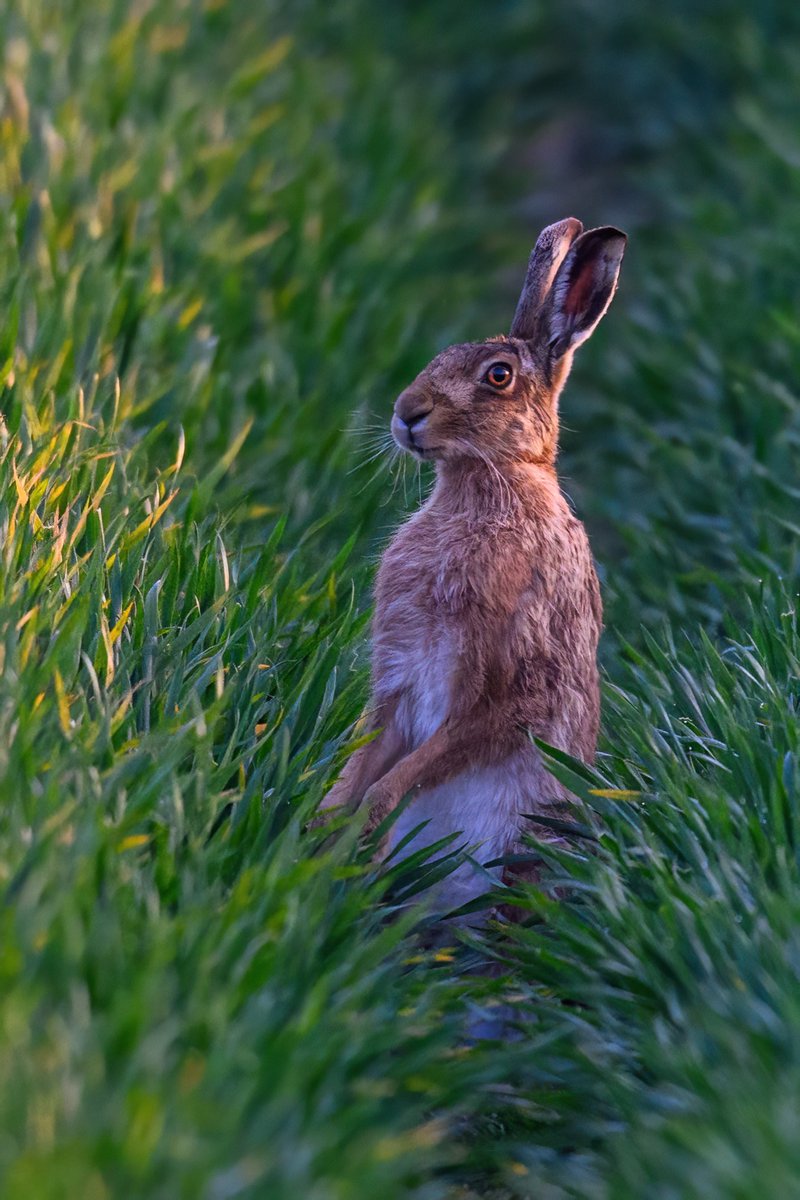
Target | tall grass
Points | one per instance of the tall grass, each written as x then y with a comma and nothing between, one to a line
228,236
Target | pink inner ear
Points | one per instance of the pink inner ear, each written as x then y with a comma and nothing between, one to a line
580,291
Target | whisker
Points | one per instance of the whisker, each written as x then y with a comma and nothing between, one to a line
398,466
368,426
379,470
382,435
364,462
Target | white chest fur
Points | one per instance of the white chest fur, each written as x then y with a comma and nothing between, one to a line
423,674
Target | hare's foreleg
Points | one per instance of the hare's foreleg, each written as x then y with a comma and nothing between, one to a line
369,762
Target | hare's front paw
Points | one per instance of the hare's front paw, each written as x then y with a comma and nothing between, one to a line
336,798
380,800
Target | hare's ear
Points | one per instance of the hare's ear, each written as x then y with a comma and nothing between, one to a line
583,288
546,257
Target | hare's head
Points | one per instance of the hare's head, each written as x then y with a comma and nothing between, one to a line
498,400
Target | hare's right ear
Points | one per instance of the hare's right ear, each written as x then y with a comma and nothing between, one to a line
552,246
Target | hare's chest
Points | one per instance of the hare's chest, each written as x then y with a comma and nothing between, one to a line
415,660
417,635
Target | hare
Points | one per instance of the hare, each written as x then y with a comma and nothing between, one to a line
487,605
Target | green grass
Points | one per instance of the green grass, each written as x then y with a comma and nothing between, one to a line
229,234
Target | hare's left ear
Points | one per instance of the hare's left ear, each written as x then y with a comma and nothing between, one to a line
546,257
582,289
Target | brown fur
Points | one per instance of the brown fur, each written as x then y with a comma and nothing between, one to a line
487,606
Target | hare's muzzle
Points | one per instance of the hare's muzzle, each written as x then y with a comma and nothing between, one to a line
410,419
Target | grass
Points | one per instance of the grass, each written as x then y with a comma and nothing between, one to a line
228,237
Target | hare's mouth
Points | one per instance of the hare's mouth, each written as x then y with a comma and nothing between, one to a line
424,452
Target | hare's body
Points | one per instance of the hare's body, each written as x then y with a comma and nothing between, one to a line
487,610
489,562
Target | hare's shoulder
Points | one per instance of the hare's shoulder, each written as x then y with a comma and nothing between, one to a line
560,610
578,573
561,555
559,605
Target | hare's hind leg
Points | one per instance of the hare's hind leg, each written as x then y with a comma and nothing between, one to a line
530,871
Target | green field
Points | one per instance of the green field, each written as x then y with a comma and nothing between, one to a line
230,233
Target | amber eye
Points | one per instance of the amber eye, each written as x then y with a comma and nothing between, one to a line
499,375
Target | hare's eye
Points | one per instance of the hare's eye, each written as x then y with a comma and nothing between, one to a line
499,375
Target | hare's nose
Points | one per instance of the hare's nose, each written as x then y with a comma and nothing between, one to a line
411,409
413,420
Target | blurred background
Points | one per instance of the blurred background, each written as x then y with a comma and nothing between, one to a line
274,218
230,234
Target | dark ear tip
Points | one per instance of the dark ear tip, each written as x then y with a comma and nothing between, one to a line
568,229
609,233
606,239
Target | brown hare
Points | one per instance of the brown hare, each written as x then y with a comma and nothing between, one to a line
487,606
